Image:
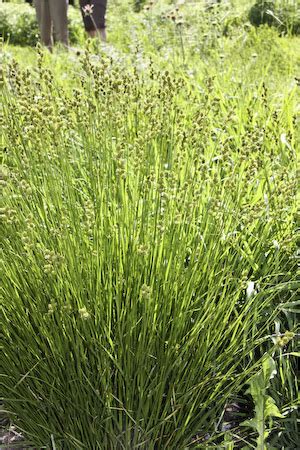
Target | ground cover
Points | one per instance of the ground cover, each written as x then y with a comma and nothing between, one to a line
148,237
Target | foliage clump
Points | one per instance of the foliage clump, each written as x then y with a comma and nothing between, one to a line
147,235
285,16
145,228
138,5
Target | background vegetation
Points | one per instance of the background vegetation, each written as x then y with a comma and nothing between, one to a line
18,24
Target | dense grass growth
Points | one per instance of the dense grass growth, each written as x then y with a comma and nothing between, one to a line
148,241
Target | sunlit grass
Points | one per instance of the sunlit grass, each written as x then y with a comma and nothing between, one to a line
148,238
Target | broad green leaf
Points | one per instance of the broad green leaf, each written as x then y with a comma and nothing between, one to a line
265,406
271,410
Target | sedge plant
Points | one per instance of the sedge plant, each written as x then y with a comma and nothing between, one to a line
143,224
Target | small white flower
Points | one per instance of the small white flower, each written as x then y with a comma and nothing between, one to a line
88,10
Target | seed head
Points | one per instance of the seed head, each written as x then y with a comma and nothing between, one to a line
52,307
146,291
84,314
